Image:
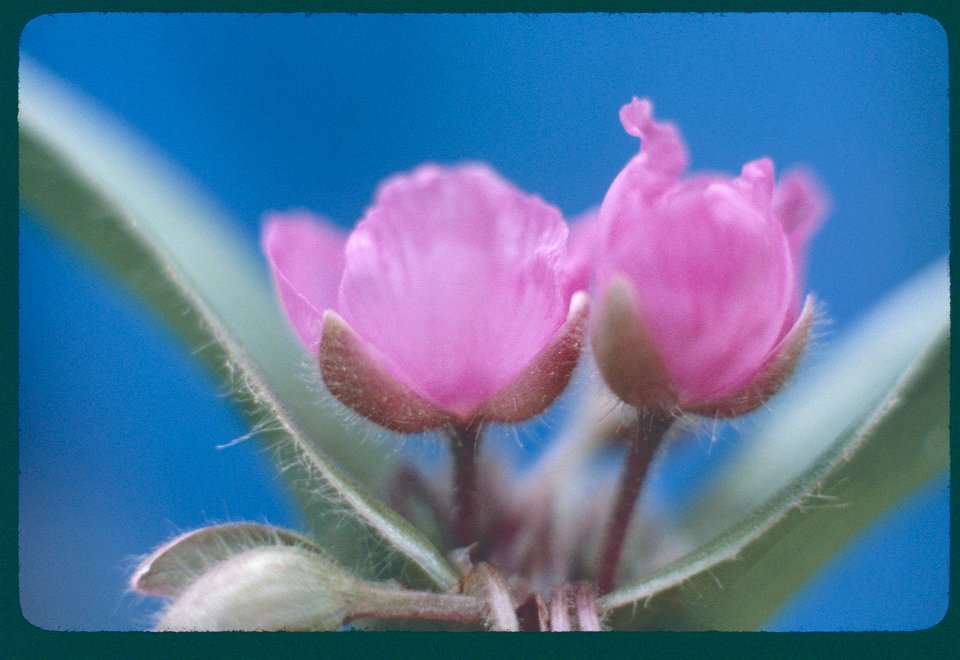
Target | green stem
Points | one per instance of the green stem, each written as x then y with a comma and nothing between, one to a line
376,602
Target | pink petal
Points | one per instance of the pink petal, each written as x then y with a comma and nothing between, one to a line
306,260
543,379
354,372
801,204
455,277
581,250
663,155
656,167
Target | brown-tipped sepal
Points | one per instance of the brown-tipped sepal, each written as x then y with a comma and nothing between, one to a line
541,382
355,377
361,383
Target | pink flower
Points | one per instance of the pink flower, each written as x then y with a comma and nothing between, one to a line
699,278
448,304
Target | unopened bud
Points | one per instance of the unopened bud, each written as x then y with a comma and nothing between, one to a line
266,588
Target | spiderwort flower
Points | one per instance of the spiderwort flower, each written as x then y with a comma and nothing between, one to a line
699,278
448,304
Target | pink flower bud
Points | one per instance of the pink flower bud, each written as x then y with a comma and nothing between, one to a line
699,278
449,302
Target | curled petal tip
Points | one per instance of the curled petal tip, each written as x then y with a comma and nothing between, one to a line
662,149
637,117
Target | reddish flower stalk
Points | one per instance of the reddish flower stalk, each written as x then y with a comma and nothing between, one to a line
465,444
651,428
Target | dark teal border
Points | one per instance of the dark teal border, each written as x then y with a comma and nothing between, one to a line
21,639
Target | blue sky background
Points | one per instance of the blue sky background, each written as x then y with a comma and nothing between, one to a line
119,426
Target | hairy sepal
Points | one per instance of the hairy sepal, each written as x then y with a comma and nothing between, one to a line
354,376
360,382
626,353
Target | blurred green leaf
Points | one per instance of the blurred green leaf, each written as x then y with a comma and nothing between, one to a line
861,433
94,182
838,386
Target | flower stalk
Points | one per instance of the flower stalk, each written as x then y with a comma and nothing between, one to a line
465,445
650,431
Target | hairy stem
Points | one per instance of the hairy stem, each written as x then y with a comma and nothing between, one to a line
651,427
465,441
375,602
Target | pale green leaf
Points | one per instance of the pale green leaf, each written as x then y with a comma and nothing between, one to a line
796,497
95,182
